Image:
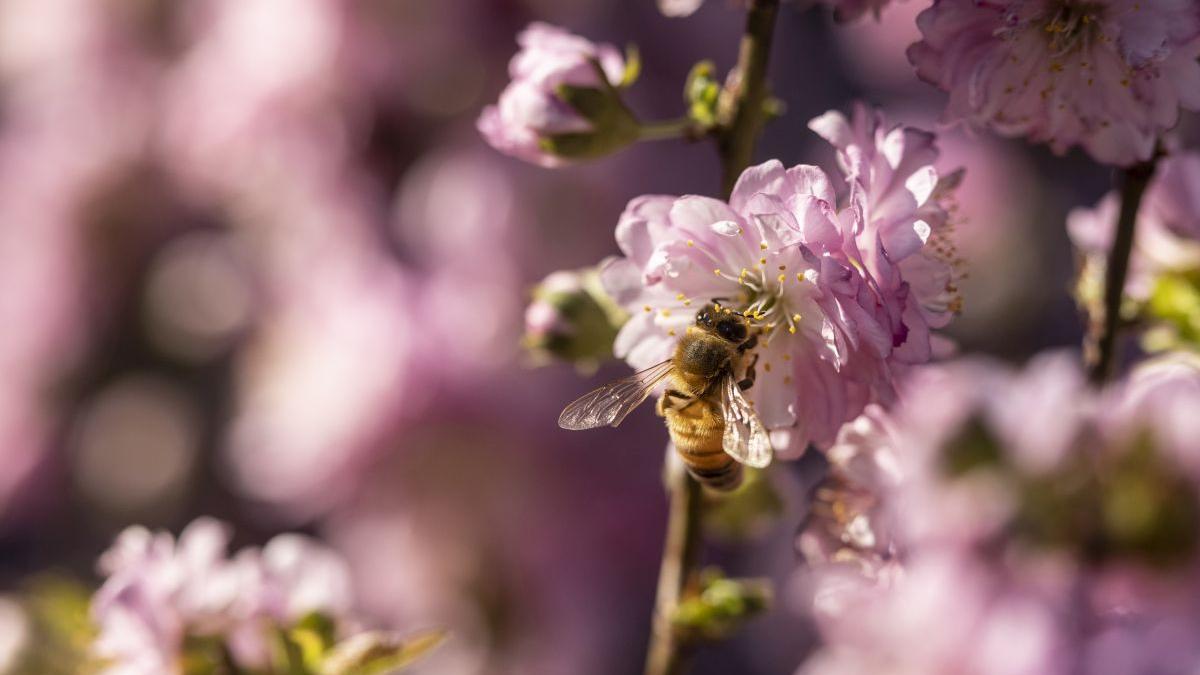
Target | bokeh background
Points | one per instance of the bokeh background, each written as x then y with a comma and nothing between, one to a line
255,262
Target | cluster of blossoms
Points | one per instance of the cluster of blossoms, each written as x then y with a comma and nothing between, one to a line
1001,522
1107,75
845,297
170,606
1164,273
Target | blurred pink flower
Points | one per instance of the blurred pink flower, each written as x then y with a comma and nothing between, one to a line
946,615
845,11
322,385
1159,399
847,523
1109,76
458,214
158,592
679,8
1051,525
1167,235
530,107
75,112
843,298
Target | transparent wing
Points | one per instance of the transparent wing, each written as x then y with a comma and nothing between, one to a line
745,438
609,404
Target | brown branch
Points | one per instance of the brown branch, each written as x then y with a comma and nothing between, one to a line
742,113
741,109
681,557
1100,345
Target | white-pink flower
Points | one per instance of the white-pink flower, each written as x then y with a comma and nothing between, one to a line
530,108
843,297
160,591
1107,75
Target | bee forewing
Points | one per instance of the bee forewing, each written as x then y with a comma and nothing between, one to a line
609,404
745,439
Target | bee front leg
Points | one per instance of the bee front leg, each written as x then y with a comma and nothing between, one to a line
672,400
748,381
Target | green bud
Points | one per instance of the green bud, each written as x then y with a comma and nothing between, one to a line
701,92
613,126
973,447
572,319
721,606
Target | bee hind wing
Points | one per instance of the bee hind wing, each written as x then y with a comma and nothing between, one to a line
609,404
745,438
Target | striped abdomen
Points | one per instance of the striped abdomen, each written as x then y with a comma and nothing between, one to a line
696,430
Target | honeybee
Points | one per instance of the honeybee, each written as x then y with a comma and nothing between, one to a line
712,425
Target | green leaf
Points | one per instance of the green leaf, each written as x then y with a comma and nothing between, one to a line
633,67
60,628
376,653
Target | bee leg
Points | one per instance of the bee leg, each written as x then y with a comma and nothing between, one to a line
748,344
748,381
672,399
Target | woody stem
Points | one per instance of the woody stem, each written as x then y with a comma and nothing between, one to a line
742,114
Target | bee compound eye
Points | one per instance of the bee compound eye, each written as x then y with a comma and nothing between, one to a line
730,331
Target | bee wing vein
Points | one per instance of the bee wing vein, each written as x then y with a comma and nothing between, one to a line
609,404
745,438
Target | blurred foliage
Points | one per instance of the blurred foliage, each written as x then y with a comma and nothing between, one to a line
378,653
56,607
721,606
1174,312
973,447
746,513
1103,502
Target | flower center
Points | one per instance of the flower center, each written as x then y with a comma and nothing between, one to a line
764,299
1072,25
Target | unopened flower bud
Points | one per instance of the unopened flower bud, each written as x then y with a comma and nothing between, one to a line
572,319
563,102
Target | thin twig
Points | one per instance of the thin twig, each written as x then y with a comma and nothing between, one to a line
742,113
1101,344
681,557
667,130
742,108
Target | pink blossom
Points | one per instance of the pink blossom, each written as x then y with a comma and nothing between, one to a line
530,108
1109,76
842,298
847,523
679,8
948,615
995,562
159,591
1167,234
845,11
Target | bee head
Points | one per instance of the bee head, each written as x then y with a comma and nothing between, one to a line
729,325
